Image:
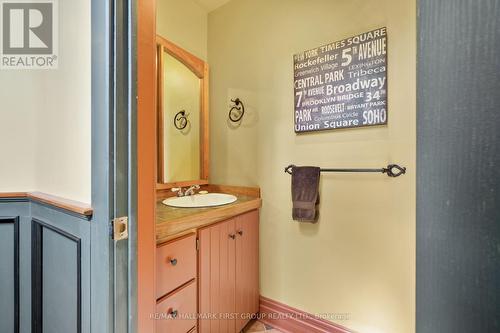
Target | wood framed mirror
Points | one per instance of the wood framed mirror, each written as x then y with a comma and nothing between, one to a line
182,117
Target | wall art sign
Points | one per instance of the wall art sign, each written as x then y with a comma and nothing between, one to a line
342,84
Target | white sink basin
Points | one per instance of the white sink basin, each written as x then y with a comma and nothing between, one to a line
200,200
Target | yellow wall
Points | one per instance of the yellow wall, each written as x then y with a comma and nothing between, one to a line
360,257
184,23
45,116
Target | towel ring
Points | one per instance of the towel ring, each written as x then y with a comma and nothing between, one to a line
180,120
237,110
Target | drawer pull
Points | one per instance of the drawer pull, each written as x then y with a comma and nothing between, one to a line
173,313
232,236
173,262
240,232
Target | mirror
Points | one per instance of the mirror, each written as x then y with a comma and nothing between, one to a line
182,101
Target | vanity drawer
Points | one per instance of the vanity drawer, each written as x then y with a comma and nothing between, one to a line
178,311
175,264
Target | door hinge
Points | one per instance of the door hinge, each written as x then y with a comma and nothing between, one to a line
197,244
119,228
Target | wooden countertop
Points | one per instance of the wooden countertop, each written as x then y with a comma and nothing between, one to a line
174,222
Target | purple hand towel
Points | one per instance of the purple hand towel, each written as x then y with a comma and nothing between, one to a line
305,193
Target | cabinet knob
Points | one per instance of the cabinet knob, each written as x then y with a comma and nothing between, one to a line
240,232
232,236
173,261
173,313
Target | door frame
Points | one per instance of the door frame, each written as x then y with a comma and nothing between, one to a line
113,277
146,169
123,164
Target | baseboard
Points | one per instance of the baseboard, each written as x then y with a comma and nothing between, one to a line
291,320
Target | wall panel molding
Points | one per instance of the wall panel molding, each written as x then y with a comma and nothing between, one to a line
16,277
37,262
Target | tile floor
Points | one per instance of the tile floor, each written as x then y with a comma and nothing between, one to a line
257,327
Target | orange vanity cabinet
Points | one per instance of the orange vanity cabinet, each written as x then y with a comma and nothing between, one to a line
247,268
176,286
228,274
178,311
208,281
175,264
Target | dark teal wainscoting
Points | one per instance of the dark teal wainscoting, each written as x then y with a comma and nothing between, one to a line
44,269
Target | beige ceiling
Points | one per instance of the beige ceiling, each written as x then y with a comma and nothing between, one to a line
210,5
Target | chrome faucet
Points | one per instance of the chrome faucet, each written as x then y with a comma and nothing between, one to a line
182,193
191,189
177,190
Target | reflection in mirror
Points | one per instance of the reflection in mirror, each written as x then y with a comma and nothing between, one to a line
182,92
181,121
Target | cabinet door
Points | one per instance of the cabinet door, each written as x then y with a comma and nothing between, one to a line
217,278
247,267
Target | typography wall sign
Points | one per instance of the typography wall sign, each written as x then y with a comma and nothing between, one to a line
342,84
29,34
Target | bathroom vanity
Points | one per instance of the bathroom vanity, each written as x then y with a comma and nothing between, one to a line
207,236
207,264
